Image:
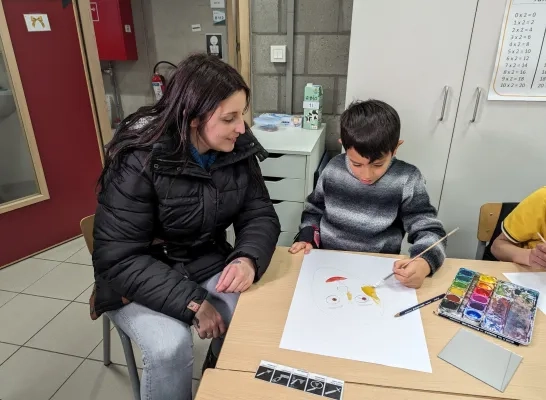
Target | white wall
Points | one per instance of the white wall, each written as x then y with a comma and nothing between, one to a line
163,32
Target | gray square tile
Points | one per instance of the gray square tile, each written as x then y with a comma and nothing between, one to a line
24,316
18,277
81,257
71,332
64,251
117,356
66,281
34,374
93,381
84,297
6,350
5,297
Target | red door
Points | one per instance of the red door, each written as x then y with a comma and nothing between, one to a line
49,150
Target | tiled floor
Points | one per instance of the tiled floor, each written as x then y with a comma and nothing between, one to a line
49,347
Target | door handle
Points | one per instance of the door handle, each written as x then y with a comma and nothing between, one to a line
478,97
446,94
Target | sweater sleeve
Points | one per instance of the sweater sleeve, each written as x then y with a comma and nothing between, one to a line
123,232
312,212
420,221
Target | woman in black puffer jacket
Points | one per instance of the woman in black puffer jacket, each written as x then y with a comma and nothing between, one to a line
177,174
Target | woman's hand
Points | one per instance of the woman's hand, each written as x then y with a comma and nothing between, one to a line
237,276
208,323
413,274
299,246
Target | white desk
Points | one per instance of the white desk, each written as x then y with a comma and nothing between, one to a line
294,156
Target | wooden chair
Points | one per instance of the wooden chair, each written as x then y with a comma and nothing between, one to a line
489,227
86,226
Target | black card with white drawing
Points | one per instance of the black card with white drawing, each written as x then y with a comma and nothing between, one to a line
300,380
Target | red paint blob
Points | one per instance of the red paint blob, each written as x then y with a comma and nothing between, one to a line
482,292
335,278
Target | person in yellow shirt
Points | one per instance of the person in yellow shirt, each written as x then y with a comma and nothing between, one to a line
519,241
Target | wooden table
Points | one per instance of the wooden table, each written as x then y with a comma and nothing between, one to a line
259,320
236,385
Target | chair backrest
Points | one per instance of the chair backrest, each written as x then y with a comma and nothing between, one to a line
86,226
489,227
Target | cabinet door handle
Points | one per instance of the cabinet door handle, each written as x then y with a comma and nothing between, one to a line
446,94
478,97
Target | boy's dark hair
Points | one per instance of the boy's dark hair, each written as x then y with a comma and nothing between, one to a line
372,127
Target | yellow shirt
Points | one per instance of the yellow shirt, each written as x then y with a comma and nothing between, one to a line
528,218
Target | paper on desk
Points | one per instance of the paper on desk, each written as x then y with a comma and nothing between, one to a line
532,280
331,316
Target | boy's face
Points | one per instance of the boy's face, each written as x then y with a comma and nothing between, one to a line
369,172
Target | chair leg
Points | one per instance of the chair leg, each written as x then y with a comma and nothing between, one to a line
106,339
131,363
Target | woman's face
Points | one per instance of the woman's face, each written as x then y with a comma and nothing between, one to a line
224,126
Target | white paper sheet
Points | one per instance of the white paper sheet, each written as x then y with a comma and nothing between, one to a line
322,320
532,280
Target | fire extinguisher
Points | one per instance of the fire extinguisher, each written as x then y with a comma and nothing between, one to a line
158,80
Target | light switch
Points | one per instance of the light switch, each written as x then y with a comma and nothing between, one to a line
278,54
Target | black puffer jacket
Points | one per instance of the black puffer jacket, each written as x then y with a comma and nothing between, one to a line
155,196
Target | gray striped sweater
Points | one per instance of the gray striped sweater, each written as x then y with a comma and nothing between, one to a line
374,218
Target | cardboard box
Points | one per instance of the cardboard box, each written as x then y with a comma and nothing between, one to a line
312,106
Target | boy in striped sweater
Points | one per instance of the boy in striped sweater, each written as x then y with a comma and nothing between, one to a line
366,200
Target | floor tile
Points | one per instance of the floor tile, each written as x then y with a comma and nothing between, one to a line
64,251
93,381
71,332
84,297
34,374
66,281
200,349
117,356
25,315
81,257
6,350
18,277
5,297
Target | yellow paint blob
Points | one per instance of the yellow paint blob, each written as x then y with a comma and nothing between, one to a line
488,279
349,295
457,291
370,292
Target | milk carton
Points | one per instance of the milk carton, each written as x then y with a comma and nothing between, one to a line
312,106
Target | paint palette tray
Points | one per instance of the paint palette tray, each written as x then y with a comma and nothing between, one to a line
487,304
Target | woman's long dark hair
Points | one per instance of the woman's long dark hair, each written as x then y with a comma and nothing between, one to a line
194,91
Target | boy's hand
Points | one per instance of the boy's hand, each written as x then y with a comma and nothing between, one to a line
412,275
237,276
299,246
537,256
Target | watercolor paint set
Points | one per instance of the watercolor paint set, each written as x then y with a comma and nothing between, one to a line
498,308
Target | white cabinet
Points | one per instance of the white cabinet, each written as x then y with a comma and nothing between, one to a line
501,156
294,156
412,55
405,52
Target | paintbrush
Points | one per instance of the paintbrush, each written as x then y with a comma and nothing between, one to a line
417,256
541,238
420,305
